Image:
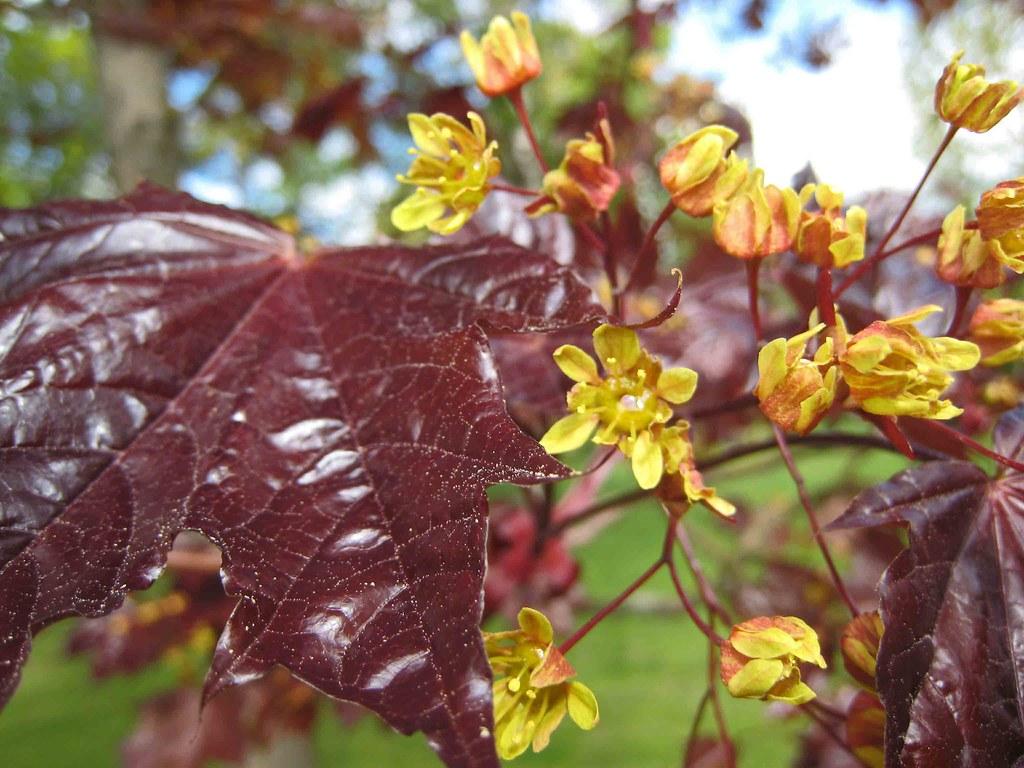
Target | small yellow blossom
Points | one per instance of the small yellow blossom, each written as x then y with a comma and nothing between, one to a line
964,98
794,392
533,687
894,370
451,171
761,657
859,644
756,221
624,406
506,56
679,460
1001,222
697,173
967,258
585,182
825,237
997,327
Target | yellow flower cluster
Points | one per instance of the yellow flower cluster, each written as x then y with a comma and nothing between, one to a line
584,183
979,257
890,367
761,658
506,56
750,219
794,392
964,98
533,687
630,408
451,171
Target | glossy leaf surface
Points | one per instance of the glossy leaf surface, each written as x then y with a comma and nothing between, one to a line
330,423
951,663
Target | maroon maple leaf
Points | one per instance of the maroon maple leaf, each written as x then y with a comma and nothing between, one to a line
951,662
330,423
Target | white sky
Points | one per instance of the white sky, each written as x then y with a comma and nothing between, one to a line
853,120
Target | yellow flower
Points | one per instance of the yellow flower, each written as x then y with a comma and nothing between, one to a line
624,406
756,221
967,258
585,182
1001,222
533,687
679,460
506,56
794,392
451,171
697,173
760,659
965,99
997,327
894,370
859,644
825,237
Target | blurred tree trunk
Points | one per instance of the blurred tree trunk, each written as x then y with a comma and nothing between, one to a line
140,125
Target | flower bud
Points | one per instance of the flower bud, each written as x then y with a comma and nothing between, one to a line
859,644
865,729
756,221
793,392
964,257
760,659
825,237
585,182
997,327
965,99
1001,222
894,370
697,173
506,56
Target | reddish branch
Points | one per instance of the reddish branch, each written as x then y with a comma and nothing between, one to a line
805,501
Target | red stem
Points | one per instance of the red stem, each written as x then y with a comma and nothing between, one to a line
516,97
877,255
591,237
602,614
963,298
753,267
706,592
691,739
805,501
695,617
648,242
827,729
514,190
865,265
611,267
716,704
826,302
973,444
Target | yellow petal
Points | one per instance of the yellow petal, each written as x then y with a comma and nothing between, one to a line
791,690
569,433
536,625
576,364
956,355
550,720
648,465
417,210
583,706
677,385
756,678
617,348
768,643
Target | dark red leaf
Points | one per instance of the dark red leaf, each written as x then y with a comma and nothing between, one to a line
330,424
950,666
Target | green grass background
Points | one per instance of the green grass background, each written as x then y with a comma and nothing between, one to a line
647,669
